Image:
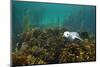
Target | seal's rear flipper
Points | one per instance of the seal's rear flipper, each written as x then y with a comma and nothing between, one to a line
80,38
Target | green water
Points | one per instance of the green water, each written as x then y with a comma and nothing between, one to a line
80,18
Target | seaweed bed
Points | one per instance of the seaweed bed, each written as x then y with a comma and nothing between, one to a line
47,46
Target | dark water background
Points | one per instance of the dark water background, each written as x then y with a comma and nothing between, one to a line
45,15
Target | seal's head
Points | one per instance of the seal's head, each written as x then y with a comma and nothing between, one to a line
66,34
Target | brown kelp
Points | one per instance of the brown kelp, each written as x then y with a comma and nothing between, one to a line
26,23
48,46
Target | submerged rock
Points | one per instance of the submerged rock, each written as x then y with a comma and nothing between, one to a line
84,35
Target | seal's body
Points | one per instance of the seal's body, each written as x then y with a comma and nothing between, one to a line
72,36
